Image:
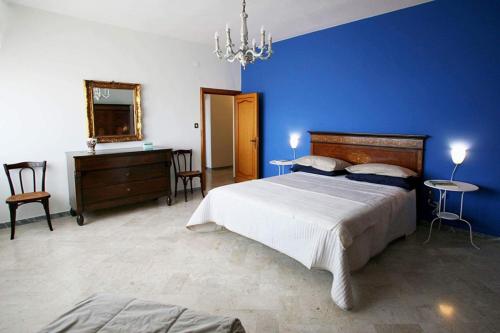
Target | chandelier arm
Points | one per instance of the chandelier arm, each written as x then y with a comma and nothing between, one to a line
260,53
232,56
232,53
267,56
253,53
229,52
218,53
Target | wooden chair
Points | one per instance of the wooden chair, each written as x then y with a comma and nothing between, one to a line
184,170
16,200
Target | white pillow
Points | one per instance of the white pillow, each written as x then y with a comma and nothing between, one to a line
382,169
322,163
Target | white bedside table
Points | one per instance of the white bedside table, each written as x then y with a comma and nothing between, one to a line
452,186
281,165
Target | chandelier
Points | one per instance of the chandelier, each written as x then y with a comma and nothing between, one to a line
245,54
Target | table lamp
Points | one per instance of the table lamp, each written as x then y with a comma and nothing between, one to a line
458,153
294,142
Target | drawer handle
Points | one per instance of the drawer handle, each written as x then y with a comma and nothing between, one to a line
128,189
127,174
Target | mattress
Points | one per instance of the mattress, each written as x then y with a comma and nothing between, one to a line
329,223
107,313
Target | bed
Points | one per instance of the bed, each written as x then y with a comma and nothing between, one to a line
329,223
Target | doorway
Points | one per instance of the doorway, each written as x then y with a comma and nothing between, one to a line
219,140
229,136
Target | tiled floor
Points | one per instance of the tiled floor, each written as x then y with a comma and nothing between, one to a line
219,177
145,251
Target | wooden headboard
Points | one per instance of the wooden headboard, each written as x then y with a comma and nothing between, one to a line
356,148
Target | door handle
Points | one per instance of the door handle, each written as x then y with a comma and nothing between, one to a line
255,141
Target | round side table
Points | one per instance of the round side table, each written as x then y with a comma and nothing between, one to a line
281,165
444,186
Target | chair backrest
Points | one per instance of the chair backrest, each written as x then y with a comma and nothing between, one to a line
183,160
24,166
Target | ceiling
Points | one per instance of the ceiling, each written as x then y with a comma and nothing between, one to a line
197,20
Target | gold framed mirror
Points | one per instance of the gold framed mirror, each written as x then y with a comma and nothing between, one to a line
114,111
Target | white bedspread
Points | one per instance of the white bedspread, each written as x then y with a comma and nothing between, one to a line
313,219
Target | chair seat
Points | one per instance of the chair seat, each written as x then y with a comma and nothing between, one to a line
27,197
189,173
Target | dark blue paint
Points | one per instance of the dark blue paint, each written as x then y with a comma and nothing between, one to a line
431,69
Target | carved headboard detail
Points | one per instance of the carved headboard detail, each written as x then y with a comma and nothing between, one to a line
356,148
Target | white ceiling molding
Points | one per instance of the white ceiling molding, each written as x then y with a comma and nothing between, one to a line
196,20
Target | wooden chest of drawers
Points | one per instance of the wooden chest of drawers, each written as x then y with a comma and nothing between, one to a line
115,177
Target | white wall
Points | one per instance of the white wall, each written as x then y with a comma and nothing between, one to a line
45,58
221,130
4,17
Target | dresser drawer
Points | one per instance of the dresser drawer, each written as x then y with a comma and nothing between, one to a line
154,185
102,178
109,162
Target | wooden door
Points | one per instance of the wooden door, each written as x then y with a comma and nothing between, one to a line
246,137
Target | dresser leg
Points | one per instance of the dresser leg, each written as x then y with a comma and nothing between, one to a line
80,219
169,200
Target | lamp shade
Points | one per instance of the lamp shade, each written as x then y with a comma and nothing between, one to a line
458,154
294,140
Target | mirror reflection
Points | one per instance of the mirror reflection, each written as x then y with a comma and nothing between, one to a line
113,111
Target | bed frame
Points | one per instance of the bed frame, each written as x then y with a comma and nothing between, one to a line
356,148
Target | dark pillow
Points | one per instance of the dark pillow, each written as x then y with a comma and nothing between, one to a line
407,183
310,169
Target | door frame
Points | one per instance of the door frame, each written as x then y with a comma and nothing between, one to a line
203,92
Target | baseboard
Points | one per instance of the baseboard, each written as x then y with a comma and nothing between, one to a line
220,168
34,219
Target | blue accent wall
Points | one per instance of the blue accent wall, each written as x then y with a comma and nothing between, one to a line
430,69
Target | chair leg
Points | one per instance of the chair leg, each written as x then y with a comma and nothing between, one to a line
12,208
45,204
176,181
191,181
201,186
184,181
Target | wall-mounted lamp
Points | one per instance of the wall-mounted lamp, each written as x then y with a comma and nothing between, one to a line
458,153
294,142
